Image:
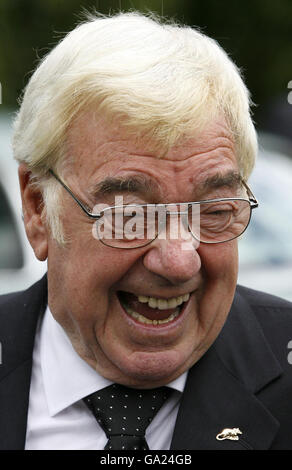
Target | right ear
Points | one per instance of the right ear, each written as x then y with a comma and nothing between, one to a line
32,206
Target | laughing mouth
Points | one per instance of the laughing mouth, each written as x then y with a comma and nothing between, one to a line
152,310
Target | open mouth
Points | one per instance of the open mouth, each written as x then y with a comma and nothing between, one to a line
152,310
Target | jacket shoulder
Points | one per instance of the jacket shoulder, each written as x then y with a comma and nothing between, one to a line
13,305
19,313
271,311
262,299
274,316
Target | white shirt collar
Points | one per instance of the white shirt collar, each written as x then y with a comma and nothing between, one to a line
67,378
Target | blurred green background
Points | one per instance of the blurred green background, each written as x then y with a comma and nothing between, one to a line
255,33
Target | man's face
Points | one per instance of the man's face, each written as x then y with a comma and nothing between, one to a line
92,286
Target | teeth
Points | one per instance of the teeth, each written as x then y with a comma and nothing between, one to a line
160,304
152,302
163,304
140,318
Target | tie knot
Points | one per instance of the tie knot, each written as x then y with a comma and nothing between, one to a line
124,413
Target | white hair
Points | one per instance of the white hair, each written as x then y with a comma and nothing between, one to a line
164,79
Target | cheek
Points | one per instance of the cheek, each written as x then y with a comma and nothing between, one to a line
88,270
219,267
220,262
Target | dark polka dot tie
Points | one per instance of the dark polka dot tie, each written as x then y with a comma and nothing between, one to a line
124,414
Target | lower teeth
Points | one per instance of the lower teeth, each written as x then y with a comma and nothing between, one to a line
140,318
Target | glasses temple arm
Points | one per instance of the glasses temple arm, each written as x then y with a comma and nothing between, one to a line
80,203
251,196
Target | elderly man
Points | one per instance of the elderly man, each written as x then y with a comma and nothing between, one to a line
135,143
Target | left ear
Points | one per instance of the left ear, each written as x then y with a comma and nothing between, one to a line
32,206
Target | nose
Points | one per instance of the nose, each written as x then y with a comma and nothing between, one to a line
175,260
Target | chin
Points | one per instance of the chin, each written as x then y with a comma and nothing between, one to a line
152,369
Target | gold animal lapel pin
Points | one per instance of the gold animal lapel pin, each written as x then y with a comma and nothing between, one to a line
228,433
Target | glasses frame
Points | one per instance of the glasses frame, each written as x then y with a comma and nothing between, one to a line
251,199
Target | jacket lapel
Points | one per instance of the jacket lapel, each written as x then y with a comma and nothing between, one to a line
222,387
19,315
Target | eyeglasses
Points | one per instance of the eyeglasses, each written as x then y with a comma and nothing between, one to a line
136,225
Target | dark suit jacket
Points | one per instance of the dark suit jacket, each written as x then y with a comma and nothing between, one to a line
243,381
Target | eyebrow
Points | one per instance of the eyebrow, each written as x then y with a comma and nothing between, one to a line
144,185
231,180
130,184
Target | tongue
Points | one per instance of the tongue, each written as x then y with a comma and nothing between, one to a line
144,309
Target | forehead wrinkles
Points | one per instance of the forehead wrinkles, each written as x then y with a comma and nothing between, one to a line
215,136
91,143
91,128
92,134
207,148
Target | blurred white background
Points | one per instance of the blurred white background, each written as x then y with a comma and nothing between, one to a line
18,266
